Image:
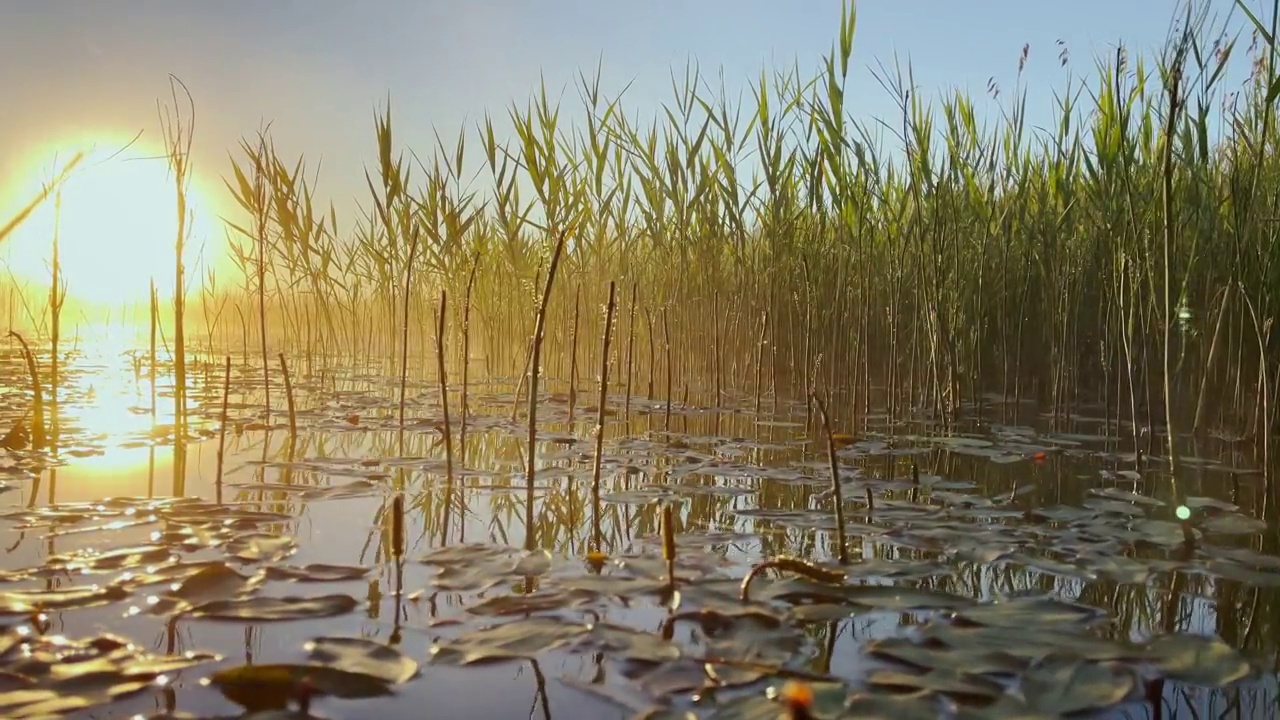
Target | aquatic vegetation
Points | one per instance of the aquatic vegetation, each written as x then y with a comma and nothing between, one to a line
998,465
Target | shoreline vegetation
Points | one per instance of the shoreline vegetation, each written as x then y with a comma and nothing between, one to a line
1126,258
1122,266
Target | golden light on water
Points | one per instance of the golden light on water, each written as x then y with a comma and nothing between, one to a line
109,405
117,226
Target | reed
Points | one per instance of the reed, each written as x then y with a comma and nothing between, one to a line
1117,258
842,547
222,428
598,460
441,319
178,128
288,395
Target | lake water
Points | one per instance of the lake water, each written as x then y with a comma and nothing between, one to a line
1007,568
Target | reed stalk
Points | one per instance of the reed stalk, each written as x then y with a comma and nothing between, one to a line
598,460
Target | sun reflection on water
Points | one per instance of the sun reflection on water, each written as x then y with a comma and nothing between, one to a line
113,440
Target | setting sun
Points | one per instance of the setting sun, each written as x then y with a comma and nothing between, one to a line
117,227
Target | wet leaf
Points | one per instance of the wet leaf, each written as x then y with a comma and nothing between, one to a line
1066,686
514,640
25,602
1232,523
1197,660
880,597
630,643
922,705
267,609
362,656
258,547
215,582
924,657
55,675
271,687
970,688
316,572
521,604
1030,612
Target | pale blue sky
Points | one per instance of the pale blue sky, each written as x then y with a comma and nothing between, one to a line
75,70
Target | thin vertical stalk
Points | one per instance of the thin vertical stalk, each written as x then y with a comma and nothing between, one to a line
666,347
288,396
466,360
444,406
222,427
604,397
535,357
404,332
842,551
631,346
573,354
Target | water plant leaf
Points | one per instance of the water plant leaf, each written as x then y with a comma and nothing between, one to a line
628,642
959,685
55,675
363,656
924,657
1065,686
921,705
1232,523
258,688
1029,612
25,602
216,581
519,639
316,572
266,609
879,597
260,547
1197,660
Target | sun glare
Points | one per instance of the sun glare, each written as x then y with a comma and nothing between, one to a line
116,229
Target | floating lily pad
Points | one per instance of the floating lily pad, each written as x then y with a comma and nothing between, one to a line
359,655
1197,660
25,602
514,640
1065,686
267,609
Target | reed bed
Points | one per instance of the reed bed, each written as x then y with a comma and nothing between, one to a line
1124,259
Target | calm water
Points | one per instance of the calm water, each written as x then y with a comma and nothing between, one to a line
1003,510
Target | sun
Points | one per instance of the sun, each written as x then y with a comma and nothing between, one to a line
117,221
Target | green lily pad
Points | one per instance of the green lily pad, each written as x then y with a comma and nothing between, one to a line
1197,660
1066,686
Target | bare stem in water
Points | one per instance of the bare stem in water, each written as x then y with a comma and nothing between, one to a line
535,357
288,396
222,426
604,396
444,405
842,551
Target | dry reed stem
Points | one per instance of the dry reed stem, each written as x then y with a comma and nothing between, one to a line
288,396
444,405
604,396
222,427
842,551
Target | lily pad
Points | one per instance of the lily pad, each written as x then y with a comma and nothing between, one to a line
1197,660
366,657
511,641
270,609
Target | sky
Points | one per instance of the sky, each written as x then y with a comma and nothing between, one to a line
76,72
